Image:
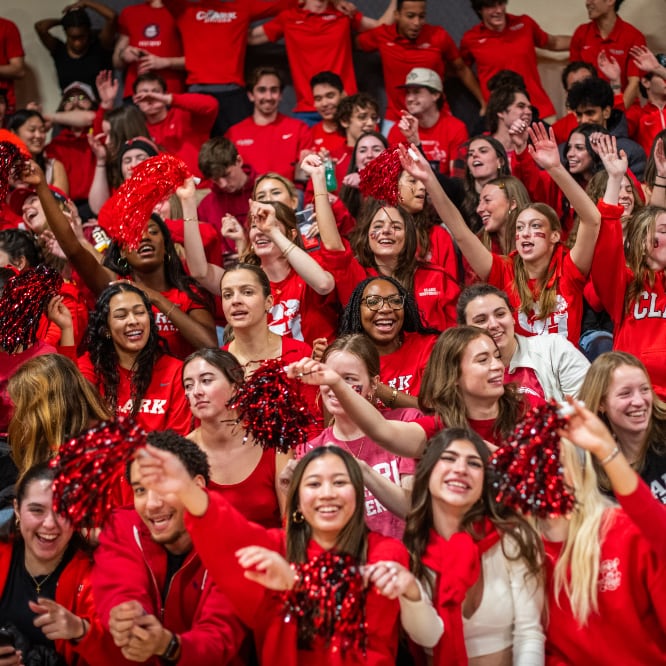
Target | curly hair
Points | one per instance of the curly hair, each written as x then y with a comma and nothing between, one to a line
350,320
440,392
104,356
174,273
407,262
507,521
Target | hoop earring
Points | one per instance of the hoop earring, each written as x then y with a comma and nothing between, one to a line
122,264
297,517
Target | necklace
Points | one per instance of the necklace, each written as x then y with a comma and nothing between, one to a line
38,585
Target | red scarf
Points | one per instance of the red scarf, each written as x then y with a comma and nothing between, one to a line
457,563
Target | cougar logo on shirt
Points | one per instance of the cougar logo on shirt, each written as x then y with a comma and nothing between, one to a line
211,16
556,322
151,31
610,576
646,306
286,318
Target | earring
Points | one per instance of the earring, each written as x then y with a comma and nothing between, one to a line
17,521
297,517
122,264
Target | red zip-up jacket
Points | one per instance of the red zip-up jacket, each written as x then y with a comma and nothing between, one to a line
130,566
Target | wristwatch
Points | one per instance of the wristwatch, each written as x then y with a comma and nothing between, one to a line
169,655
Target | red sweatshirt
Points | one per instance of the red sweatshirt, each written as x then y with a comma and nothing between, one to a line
74,592
260,608
641,330
130,566
630,626
648,514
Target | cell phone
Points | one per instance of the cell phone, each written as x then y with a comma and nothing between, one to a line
6,638
304,219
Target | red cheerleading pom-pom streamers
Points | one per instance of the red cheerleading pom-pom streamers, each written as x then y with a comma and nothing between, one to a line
23,301
13,157
272,409
88,470
528,470
328,602
124,216
380,178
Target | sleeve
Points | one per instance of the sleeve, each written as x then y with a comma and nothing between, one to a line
420,620
119,552
610,285
369,40
648,514
501,272
202,107
466,48
123,23
539,184
576,45
569,365
216,635
12,42
345,269
274,29
218,555
528,597
447,47
87,369
539,35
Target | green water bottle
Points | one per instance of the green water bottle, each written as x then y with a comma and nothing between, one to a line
329,171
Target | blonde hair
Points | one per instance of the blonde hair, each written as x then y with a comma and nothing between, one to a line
515,193
53,401
546,296
577,569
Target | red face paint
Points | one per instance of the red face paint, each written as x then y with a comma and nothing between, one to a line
538,234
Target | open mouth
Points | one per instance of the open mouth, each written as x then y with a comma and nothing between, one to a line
161,523
146,250
46,538
134,335
384,325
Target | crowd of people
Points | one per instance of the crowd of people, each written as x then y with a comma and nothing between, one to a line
425,280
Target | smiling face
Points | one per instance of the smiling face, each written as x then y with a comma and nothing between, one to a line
382,326
266,95
456,480
534,237
128,322
354,372
361,120
33,214
412,193
628,402
410,18
597,9
271,189
493,208
578,158
150,253
326,100
627,199
207,389
656,244
33,134
494,17
420,100
386,234
243,301
45,535
481,372
367,148
519,109
492,313
482,160
164,519
326,498
262,245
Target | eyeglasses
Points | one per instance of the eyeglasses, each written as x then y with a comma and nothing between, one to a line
376,303
78,98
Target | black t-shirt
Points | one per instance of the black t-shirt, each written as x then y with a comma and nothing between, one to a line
20,588
84,69
174,562
654,474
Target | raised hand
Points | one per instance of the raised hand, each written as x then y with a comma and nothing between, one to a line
409,126
609,67
615,163
413,162
544,146
266,567
644,59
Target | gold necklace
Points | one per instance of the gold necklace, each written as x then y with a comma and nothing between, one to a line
38,585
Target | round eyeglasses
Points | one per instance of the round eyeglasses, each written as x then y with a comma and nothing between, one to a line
395,302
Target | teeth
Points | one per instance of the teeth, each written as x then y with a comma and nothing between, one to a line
457,484
48,537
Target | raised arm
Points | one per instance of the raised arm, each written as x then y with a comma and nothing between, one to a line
97,277
545,153
397,499
401,438
263,217
658,194
43,30
328,229
476,253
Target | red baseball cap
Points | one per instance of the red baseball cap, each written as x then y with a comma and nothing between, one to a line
20,194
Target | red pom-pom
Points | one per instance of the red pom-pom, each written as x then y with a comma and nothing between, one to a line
13,157
380,178
23,301
124,216
528,470
272,409
88,470
328,603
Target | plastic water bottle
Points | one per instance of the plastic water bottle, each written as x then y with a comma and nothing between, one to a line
329,171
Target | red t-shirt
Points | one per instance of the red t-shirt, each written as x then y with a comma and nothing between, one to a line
163,405
403,368
587,43
566,320
511,48
78,159
441,143
154,30
443,251
433,48
274,147
186,127
319,138
315,43
377,517
645,122
255,496
10,47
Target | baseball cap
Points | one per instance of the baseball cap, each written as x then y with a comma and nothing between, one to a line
423,77
20,194
83,87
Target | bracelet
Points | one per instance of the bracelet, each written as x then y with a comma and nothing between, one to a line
190,219
611,456
173,305
84,631
391,400
321,194
288,250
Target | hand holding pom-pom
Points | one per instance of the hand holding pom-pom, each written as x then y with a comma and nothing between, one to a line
380,177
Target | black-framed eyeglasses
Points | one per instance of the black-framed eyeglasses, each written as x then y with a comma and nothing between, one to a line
395,302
